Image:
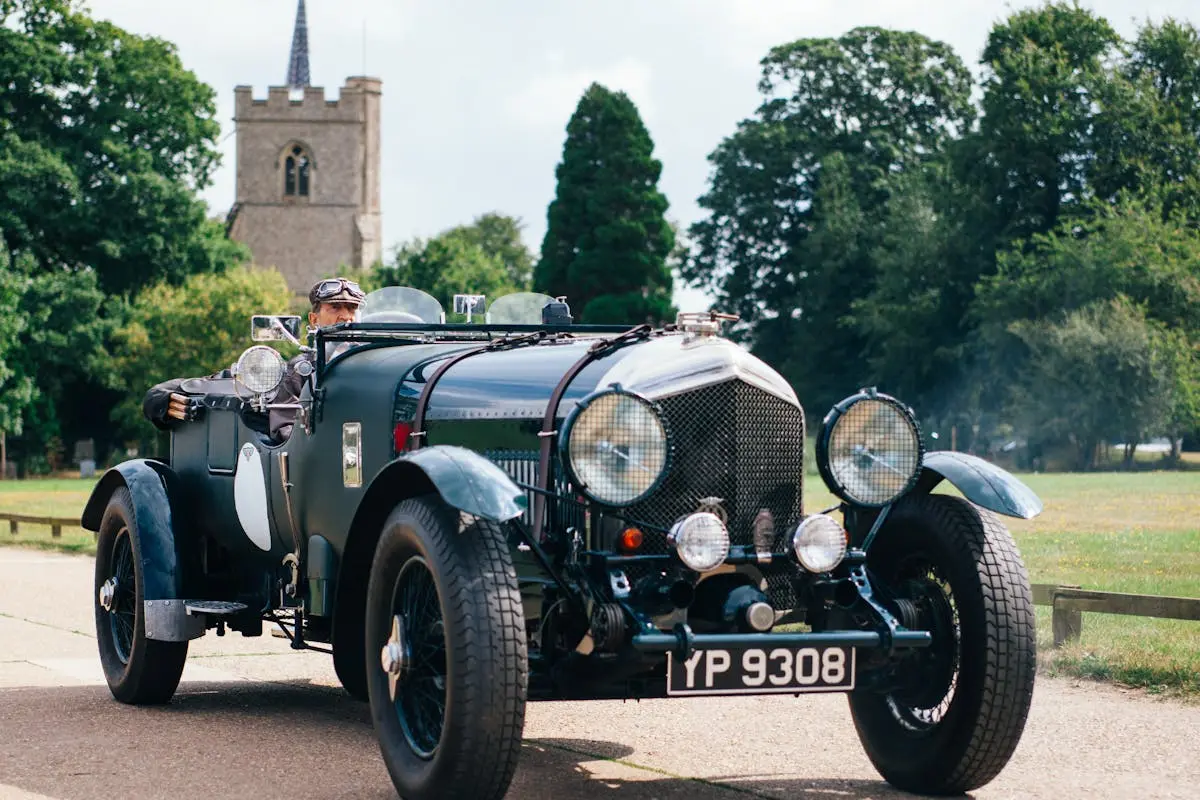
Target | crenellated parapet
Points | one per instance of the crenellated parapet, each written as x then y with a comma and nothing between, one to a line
309,105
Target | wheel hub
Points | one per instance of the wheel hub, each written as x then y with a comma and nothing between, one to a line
935,666
108,593
395,657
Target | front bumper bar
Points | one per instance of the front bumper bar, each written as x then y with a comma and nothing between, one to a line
683,642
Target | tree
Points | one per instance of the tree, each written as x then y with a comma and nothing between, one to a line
607,240
192,329
1047,75
1126,249
499,236
486,257
1094,374
841,120
1120,270
16,389
54,375
912,322
1181,360
1160,150
808,339
104,140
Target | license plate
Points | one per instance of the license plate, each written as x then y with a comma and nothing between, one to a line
762,670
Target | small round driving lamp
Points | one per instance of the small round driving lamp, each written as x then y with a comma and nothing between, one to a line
615,447
869,449
701,540
260,369
819,543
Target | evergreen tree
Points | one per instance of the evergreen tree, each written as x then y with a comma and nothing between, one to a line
607,241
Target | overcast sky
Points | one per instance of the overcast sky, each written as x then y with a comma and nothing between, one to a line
477,93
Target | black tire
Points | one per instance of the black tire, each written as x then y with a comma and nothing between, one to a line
139,671
351,667
456,591
955,725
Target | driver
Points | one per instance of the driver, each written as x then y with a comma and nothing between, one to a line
333,300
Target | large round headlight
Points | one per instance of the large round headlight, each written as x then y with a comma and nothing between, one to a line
259,369
616,447
869,449
701,540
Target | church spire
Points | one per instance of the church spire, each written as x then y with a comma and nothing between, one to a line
298,63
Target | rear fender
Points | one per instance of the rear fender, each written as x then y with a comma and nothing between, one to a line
981,482
154,489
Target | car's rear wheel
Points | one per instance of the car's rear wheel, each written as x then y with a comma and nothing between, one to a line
959,713
447,668
139,671
351,668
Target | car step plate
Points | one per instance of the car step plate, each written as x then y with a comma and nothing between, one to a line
762,670
218,608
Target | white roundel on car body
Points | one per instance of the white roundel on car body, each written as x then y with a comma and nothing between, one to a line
250,497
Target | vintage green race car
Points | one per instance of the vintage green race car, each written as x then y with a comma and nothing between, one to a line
469,516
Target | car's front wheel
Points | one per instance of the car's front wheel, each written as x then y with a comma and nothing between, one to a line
138,670
447,667
961,706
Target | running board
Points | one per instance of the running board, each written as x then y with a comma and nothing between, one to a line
215,608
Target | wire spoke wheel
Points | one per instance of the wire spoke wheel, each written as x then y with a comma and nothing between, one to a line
123,608
445,642
420,697
933,671
954,713
138,670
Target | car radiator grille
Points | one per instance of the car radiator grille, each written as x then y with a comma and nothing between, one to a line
734,442
522,467
731,441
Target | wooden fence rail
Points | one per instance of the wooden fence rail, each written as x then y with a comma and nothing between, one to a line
56,523
1069,603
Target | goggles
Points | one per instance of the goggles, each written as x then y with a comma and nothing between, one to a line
336,289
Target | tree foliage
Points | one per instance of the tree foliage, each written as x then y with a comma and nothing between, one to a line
796,194
867,231
1046,81
1162,154
16,388
1123,267
1098,373
54,373
486,257
1127,249
104,140
607,240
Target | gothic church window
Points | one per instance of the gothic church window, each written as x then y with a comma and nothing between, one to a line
297,169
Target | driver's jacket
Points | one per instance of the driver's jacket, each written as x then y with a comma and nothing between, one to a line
279,420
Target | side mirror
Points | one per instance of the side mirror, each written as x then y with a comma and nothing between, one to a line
265,328
469,304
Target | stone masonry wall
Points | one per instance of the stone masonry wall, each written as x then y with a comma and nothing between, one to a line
339,221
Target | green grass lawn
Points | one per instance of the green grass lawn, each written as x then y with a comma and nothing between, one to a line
1121,532
52,497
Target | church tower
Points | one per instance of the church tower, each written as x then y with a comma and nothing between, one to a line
308,173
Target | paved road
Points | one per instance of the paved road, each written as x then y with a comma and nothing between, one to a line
253,719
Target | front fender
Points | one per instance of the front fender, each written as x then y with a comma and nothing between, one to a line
981,482
468,481
152,486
